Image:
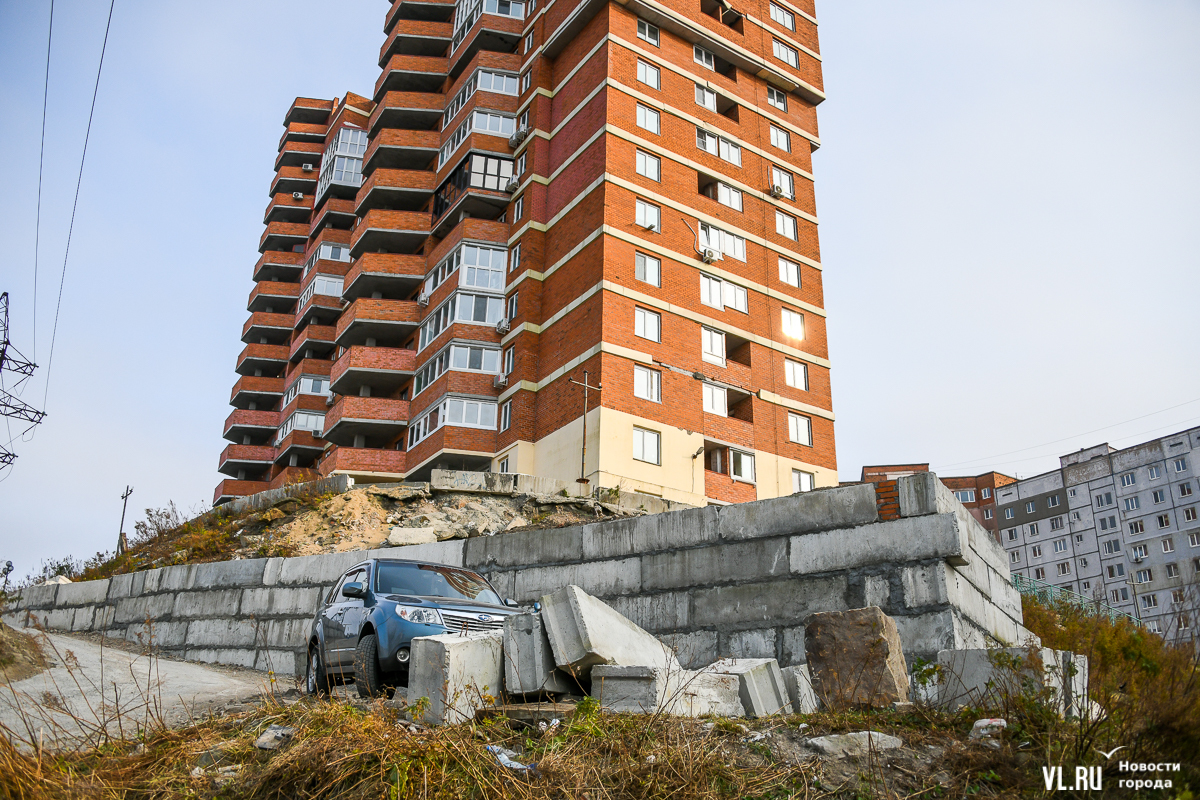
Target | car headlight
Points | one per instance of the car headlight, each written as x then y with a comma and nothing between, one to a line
419,615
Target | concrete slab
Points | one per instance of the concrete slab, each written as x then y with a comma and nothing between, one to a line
854,745
984,678
897,541
459,674
837,507
799,689
600,577
82,593
649,690
760,684
528,659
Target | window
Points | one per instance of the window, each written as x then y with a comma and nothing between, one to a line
802,481
503,465
706,97
729,196
474,359
648,166
787,55
1056,523
1112,546
1014,557
1037,551
648,216
784,17
800,429
480,309
1076,516
710,291
1086,584
1139,551
300,421
647,383
1185,490
526,81
965,495
510,356
645,445
1153,472
712,346
1031,506
1137,527
1064,568
1070,492
1033,529
1116,571
722,294
1079,538
1052,501
481,267
1120,595
529,42
783,182
986,493
1104,499
1160,496
777,98
648,74
742,466
1172,570
1153,626
987,513
1108,523
1149,600
1039,574
453,411
647,269
1168,545
1177,596
785,225
1060,545
513,305
793,324
1189,514
519,208
1127,479
715,400
328,285
506,419
703,57
647,324
647,32
647,118
1164,520
1132,503
1194,540
796,374
1180,464
718,146
515,258
1009,513
1012,534
722,243
522,161
523,121
781,139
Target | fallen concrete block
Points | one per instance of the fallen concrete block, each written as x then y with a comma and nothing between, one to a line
528,660
402,536
855,658
799,688
649,690
854,745
760,684
585,632
274,737
458,673
986,678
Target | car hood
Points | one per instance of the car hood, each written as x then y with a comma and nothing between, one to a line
451,604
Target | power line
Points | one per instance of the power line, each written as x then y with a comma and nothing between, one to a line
75,206
37,234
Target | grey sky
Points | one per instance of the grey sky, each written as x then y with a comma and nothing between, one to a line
1007,193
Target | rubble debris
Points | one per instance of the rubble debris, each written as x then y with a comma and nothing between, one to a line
988,728
528,659
760,684
854,745
274,737
459,673
507,758
855,658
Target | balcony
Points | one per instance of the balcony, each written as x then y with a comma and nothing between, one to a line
230,489
264,328
295,179
377,419
283,236
320,309
411,74
397,189
402,149
258,425
263,392
273,296
286,208
475,188
388,323
488,31
274,265
382,230
270,359
309,111
249,458
719,486
297,154
360,461
414,111
426,10
392,275
335,211
384,369
411,37
314,341
303,445
303,132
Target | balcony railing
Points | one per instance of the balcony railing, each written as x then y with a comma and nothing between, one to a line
230,489
363,460
1048,594
385,368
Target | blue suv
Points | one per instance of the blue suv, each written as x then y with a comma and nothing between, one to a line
365,625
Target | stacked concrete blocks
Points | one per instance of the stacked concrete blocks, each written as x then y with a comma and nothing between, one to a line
650,690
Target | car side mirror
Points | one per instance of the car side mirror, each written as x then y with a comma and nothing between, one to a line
353,589
508,601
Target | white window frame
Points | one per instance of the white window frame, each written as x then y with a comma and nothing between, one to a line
783,17
777,98
647,324
649,74
648,119
648,166
704,58
647,216
645,439
792,324
506,416
800,429
803,481
647,269
648,33
786,54
785,181
729,196
781,139
706,98
647,383
789,272
712,346
795,373
715,400
785,225
743,463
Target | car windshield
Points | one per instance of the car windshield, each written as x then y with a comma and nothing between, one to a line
425,580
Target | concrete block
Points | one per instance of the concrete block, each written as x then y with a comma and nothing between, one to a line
449,552
202,605
84,619
647,690
528,659
522,548
855,659
693,650
584,632
984,678
38,596
824,509
287,634
220,574
877,591
459,674
174,579
605,578
398,537
462,481
321,570
924,635
278,601
533,484
505,583
56,619
160,634
765,603
925,585
82,593
281,662
760,684
139,609
649,534
233,657
892,541
272,571
800,689
636,501
667,611
104,618
748,644
723,563
206,633
631,690
791,648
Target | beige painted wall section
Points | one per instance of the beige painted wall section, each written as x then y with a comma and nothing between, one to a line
774,474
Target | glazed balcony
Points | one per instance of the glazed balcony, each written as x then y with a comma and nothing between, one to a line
248,457
275,265
256,424
387,323
296,179
377,419
392,275
335,211
286,208
411,74
263,392
321,309
424,10
384,369
396,189
273,296
231,489
303,132
402,149
309,111
269,359
476,188
414,111
367,462
283,236
411,37
274,328
314,341
390,231
297,154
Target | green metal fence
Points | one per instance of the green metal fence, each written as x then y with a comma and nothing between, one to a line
1049,594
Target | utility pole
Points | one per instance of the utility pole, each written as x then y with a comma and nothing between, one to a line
11,406
582,479
123,545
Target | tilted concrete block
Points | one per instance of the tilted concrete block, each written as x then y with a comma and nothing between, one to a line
82,593
760,684
528,660
584,632
272,571
855,659
459,674
221,574
648,690
800,689
600,577
38,596
203,605
278,601
174,579
823,509
463,481
699,566
522,548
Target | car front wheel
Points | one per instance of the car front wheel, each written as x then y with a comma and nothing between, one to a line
316,681
367,675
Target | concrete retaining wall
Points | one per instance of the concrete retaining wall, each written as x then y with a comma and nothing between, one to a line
719,581
335,484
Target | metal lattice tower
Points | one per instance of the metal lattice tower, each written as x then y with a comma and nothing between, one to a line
11,360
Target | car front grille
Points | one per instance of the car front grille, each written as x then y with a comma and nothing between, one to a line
457,621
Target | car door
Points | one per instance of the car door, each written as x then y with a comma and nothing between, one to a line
331,624
355,615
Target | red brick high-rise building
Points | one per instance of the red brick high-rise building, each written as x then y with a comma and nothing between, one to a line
534,192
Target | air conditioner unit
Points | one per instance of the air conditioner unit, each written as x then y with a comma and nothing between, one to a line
423,299
503,327
708,256
511,186
297,195
518,137
500,381
307,167
776,191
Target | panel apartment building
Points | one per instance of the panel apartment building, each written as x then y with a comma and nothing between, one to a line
534,193
1115,525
